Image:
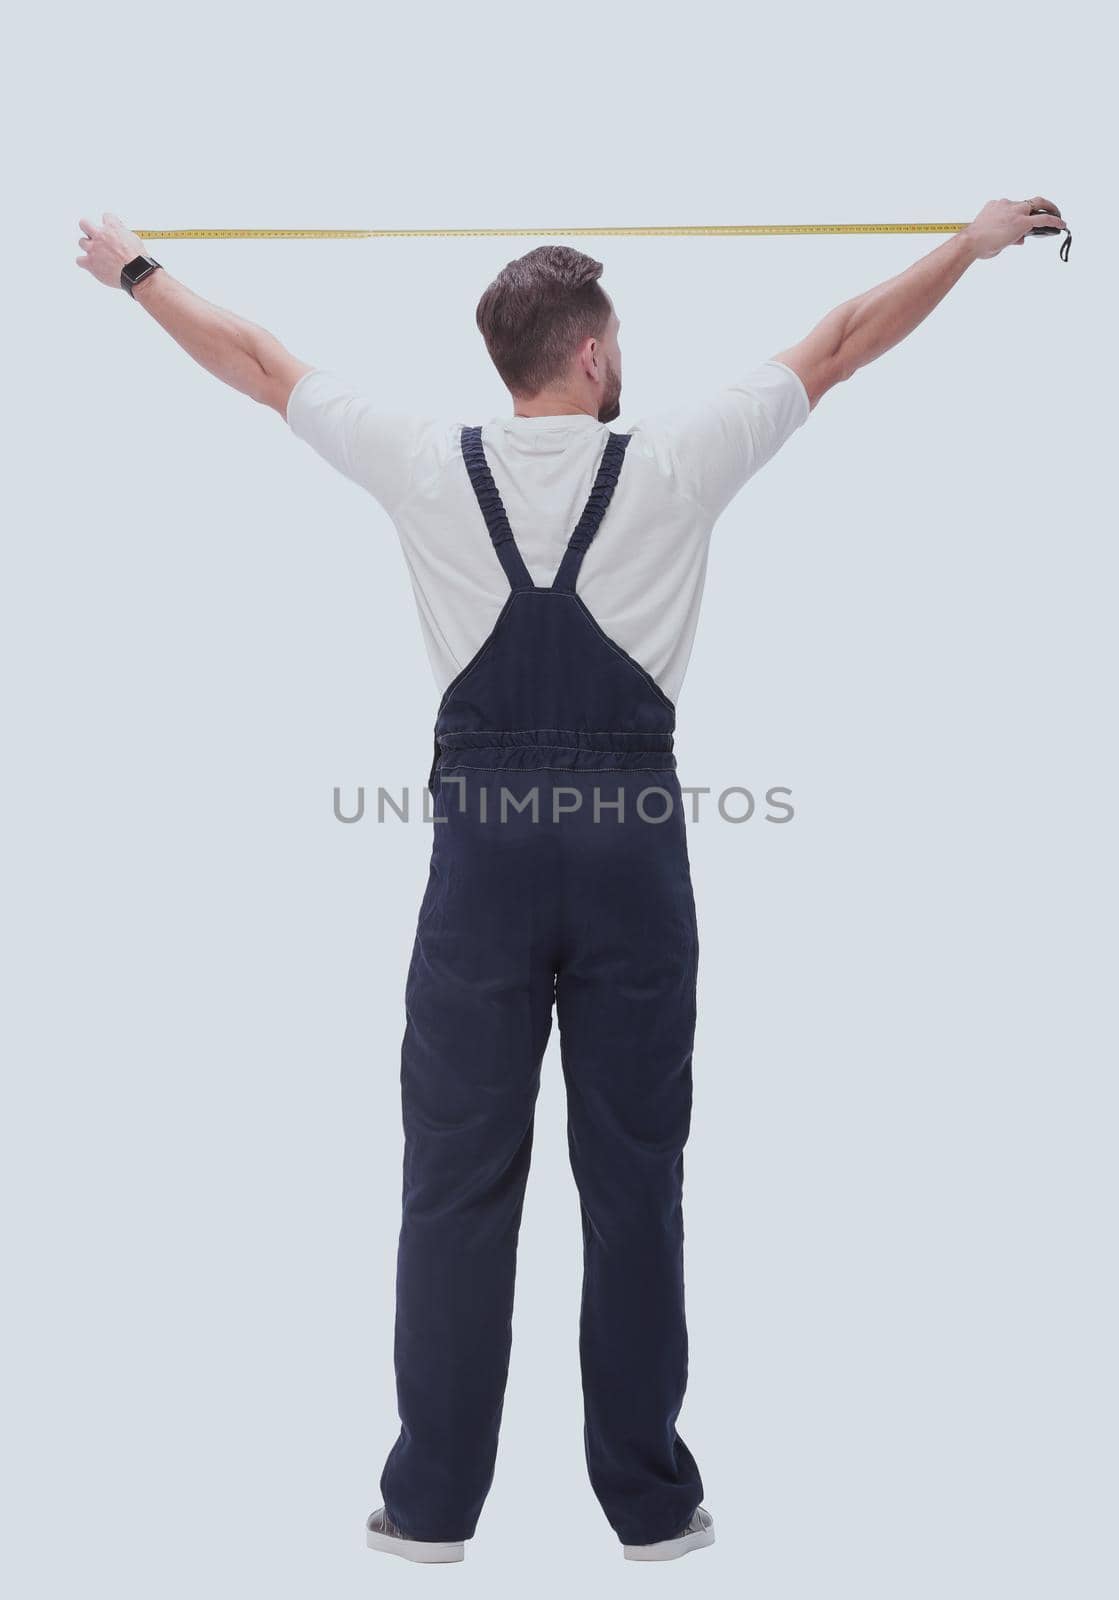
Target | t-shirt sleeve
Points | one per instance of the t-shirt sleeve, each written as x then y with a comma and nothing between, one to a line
386,452
716,446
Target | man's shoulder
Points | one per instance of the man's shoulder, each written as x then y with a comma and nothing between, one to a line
713,445
390,452
771,387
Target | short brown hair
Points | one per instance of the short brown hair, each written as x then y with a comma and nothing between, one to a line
537,312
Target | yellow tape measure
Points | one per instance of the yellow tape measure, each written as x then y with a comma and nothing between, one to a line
736,230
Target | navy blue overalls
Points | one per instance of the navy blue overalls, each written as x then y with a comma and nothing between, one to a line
559,876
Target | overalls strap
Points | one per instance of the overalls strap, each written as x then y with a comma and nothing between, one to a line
493,510
593,513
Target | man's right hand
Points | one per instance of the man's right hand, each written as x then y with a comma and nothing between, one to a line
1003,222
864,328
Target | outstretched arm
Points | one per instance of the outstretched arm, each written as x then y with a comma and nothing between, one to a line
862,329
246,357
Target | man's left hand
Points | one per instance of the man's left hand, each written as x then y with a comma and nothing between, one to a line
107,248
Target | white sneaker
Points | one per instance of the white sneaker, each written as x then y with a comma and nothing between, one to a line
381,1533
699,1532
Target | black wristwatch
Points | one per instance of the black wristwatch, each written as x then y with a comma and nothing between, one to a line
136,270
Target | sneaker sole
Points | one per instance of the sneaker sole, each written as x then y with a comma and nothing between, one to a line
669,1549
424,1551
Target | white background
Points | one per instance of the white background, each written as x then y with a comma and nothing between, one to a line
899,1194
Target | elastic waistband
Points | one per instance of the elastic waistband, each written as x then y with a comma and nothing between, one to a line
565,748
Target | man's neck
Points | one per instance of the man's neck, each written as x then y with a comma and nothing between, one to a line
554,405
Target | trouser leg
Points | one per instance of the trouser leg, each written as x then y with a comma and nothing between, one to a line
479,998
625,1002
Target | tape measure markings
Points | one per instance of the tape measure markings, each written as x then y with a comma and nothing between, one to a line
732,231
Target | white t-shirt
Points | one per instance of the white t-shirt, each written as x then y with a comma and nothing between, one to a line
642,578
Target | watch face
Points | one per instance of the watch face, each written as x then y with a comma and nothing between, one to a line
136,269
